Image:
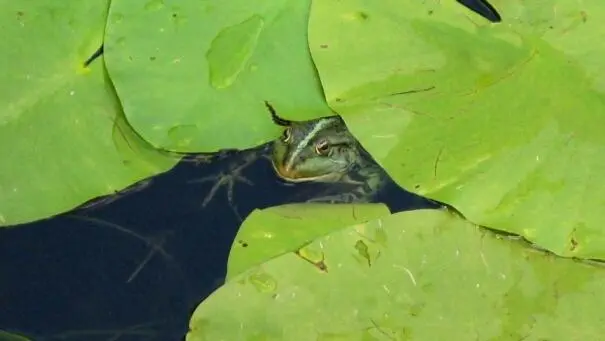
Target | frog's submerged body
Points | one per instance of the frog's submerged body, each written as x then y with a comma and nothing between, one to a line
324,151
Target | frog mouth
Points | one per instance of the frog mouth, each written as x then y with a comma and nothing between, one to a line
291,175
287,173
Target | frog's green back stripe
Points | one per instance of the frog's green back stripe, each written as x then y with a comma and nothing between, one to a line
319,126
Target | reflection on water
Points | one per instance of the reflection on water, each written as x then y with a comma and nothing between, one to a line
134,266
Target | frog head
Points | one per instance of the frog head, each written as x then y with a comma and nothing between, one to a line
320,150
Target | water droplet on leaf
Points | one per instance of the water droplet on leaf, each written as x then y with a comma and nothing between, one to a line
117,18
263,282
154,5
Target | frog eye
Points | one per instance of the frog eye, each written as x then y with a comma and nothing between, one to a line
286,135
322,147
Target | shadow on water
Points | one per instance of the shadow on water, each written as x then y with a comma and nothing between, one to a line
136,267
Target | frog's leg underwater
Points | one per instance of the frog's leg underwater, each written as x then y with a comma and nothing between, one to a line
231,176
156,244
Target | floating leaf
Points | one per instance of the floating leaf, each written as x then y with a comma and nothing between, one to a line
194,75
268,233
435,277
502,121
57,116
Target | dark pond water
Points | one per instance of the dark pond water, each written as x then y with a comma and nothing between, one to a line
135,268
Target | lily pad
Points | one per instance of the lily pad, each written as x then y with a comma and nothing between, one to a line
418,275
264,235
502,121
193,76
57,117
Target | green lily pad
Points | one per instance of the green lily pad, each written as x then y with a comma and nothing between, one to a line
57,118
262,236
419,275
193,76
501,121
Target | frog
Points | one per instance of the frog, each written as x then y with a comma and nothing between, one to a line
320,150
323,150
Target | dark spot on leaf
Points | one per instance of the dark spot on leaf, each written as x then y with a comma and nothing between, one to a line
152,58
431,12
416,186
174,15
363,251
574,244
416,309
242,243
338,99
20,13
363,15
324,46
551,27
321,265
